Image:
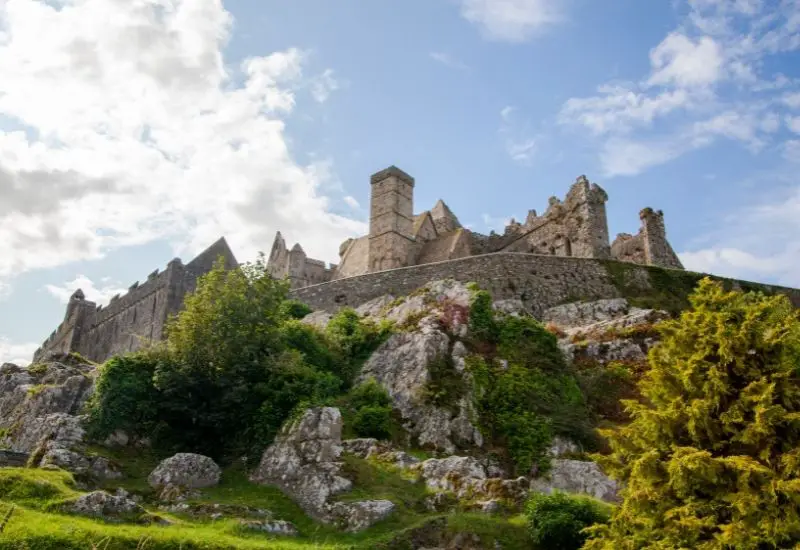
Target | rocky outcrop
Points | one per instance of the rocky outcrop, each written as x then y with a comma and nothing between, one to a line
577,314
357,516
304,462
185,470
575,476
101,504
271,526
432,320
39,404
95,467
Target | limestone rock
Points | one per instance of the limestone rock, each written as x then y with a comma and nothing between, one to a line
513,308
187,470
561,446
303,461
451,473
357,516
401,366
104,505
272,526
318,319
30,398
575,476
364,447
585,313
376,307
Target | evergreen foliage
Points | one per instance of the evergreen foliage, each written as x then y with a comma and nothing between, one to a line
558,521
711,459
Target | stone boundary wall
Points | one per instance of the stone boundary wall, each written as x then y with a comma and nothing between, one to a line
540,281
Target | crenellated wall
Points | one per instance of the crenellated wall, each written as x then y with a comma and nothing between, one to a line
131,320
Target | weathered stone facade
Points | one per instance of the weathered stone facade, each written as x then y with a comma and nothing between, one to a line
575,227
128,322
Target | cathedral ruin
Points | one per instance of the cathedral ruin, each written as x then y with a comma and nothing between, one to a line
433,241
574,227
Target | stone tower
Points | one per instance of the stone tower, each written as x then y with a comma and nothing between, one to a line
657,250
391,219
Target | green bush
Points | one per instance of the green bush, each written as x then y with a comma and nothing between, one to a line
234,367
525,341
373,421
355,337
367,410
125,397
295,309
481,324
557,521
525,395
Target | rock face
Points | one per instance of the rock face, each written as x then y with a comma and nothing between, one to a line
39,404
574,476
401,364
304,463
578,314
185,470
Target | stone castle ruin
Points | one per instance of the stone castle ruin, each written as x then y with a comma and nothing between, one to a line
548,257
575,227
128,322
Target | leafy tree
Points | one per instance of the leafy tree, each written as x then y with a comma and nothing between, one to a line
558,521
711,459
367,410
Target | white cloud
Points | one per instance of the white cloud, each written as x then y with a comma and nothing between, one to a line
704,83
352,202
512,20
448,60
682,62
792,100
323,86
101,295
497,225
757,242
19,354
793,123
5,290
520,146
139,131
791,150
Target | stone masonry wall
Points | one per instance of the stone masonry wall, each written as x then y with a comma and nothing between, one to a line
130,321
539,281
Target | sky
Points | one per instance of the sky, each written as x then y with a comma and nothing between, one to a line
136,131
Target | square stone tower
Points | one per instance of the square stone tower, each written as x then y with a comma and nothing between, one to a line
391,219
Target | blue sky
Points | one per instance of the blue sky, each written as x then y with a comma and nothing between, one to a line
134,132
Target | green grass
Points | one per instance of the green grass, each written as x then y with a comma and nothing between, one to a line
36,523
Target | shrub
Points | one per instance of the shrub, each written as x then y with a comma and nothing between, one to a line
373,421
482,325
444,385
355,338
125,397
295,309
367,410
557,521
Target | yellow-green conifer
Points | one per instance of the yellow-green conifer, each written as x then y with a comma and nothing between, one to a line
711,458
